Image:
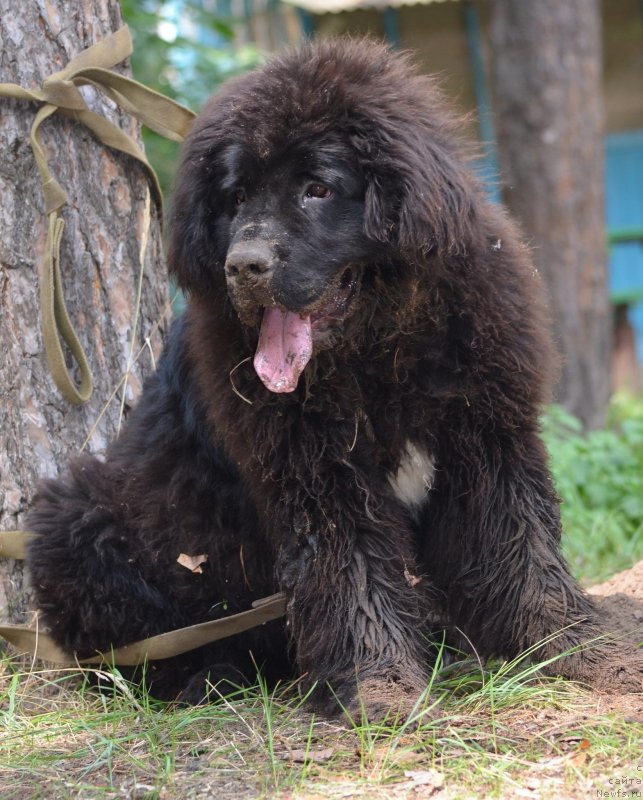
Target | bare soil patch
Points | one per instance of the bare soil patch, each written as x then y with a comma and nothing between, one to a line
620,600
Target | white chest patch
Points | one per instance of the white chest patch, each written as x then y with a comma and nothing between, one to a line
414,476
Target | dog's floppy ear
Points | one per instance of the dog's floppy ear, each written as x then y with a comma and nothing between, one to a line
382,185
419,199
192,247
437,201
379,212
198,229
419,196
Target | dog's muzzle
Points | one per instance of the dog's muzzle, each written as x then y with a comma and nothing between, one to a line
250,262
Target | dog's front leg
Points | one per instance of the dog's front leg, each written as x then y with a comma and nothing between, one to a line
492,545
355,610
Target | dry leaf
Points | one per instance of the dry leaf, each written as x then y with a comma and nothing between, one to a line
302,756
193,563
400,756
425,777
412,580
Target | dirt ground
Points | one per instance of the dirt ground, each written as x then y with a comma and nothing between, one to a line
569,767
629,582
587,744
620,599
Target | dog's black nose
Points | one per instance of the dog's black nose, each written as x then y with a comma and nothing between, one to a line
249,259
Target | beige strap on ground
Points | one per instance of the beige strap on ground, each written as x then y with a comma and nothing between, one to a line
59,93
154,648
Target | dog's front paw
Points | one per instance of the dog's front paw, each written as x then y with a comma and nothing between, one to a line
387,699
619,670
612,667
211,684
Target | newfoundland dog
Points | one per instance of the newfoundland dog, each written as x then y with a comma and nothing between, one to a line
348,411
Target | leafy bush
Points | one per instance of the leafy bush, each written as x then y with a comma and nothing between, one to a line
599,476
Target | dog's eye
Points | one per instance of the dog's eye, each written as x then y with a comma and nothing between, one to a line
239,197
318,191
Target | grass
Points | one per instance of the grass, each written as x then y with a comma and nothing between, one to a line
480,733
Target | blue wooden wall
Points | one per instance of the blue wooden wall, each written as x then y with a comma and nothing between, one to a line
624,210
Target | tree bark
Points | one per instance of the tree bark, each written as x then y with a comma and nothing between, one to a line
547,82
112,225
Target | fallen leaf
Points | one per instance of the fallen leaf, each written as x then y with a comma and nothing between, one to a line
425,777
578,743
193,563
412,580
302,756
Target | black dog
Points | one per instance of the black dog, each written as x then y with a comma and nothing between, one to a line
348,410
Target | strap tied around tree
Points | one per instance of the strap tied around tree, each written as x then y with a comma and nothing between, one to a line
40,645
60,93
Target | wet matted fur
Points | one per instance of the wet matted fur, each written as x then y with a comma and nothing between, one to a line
347,411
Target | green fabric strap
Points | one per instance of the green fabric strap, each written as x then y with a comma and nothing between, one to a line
59,93
154,648
13,544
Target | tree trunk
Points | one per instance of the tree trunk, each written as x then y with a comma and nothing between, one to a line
110,219
547,82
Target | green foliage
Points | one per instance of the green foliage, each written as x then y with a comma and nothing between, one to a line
599,476
189,68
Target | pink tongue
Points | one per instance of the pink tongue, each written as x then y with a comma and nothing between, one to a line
285,347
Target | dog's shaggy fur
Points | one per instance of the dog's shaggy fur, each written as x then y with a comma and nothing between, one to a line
380,461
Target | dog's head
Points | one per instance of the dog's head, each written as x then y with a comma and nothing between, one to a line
300,178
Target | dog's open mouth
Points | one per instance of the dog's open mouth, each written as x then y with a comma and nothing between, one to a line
286,337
